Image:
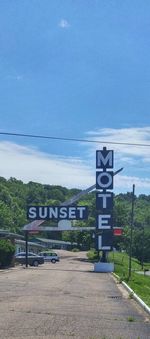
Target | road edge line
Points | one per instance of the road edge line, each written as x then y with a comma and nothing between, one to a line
134,295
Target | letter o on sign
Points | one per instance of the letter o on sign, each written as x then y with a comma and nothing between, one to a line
105,180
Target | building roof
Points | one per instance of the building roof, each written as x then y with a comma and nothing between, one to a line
54,241
7,234
19,241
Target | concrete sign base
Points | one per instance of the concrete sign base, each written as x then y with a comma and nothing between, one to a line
103,267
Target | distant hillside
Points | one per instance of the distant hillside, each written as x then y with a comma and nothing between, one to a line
15,196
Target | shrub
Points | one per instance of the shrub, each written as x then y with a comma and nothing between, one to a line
75,250
92,255
7,250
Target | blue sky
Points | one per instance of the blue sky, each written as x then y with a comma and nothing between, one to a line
75,69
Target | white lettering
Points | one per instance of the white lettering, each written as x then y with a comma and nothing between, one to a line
72,214
81,210
63,213
43,212
101,177
103,221
104,198
32,212
53,212
57,212
101,160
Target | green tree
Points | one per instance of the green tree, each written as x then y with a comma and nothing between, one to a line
141,244
6,218
7,250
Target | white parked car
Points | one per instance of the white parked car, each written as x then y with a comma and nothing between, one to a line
49,256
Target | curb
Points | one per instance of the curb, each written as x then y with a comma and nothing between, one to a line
134,295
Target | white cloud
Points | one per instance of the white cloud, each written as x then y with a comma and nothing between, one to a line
64,23
29,164
135,160
128,154
125,183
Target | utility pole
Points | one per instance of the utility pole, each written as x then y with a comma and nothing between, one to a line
142,254
131,229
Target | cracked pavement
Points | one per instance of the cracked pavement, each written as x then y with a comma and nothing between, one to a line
67,300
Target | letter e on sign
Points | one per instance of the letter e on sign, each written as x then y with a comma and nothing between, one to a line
104,221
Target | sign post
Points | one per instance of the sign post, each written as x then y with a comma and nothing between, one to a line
26,239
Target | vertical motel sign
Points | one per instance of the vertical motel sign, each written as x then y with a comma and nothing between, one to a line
104,199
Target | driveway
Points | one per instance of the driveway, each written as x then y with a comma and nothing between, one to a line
67,300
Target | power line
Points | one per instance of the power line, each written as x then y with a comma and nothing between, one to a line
73,139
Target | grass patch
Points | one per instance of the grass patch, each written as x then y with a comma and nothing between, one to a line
92,255
139,283
130,319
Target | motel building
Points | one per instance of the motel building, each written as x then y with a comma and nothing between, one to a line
37,244
56,244
19,242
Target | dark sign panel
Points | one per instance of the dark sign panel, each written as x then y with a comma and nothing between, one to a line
105,240
104,159
104,180
104,221
57,212
104,201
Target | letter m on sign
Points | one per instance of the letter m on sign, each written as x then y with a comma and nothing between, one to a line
104,159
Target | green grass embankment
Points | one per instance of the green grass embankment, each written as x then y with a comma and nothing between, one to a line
139,283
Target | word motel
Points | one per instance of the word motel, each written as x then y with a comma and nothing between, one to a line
104,198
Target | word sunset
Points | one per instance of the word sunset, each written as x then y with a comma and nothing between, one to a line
104,199
57,212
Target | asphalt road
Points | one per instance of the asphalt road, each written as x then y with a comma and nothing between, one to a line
67,300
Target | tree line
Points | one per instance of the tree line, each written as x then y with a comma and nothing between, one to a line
15,196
